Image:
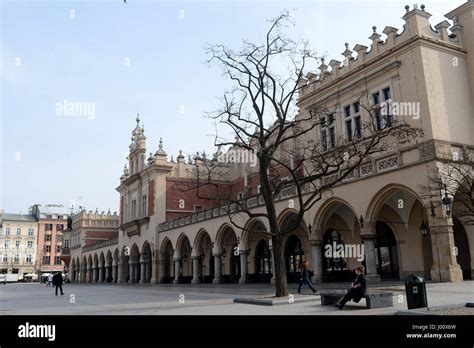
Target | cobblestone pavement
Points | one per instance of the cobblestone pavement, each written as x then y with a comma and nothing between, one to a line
201,299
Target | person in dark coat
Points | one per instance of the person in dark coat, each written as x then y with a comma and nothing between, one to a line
304,278
357,290
58,282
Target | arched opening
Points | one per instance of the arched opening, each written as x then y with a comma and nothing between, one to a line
167,254
463,255
145,263
185,272
234,264
396,215
134,265
386,251
206,269
334,262
124,265
294,255
263,262
227,246
101,277
108,267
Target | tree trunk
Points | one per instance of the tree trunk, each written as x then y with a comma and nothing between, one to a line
279,268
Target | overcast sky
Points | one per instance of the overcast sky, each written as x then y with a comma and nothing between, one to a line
143,56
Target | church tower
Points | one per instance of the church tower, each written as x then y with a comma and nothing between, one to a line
136,157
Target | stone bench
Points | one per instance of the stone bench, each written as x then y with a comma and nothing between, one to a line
372,300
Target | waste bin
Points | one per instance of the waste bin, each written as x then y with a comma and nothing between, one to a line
415,288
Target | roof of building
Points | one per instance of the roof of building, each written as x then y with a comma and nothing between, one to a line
18,217
53,209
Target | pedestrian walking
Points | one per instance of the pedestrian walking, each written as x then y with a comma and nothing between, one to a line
357,289
58,282
305,278
49,281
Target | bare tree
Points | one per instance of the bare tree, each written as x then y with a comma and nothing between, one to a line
454,177
261,112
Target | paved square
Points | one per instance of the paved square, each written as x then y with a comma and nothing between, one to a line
201,299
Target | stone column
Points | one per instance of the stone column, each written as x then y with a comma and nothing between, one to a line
243,266
89,274
131,270
101,274
108,272
368,236
115,273
156,271
445,267
195,279
136,273
147,271
177,264
317,265
143,265
217,269
94,275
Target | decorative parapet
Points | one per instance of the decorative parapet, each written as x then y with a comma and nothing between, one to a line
416,26
103,244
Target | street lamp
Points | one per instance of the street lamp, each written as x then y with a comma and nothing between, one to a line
447,202
423,228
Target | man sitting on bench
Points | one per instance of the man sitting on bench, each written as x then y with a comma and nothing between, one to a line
357,290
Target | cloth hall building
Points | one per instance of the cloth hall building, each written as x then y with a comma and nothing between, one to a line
167,234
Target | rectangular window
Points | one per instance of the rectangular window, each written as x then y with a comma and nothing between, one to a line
59,227
356,108
324,140
29,258
30,231
383,108
57,260
5,258
47,238
7,231
17,244
328,132
47,248
134,209
347,111
7,244
59,238
349,130
144,212
29,244
18,231
58,249
376,98
358,127
332,137
66,243
387,95
46,260
16,258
